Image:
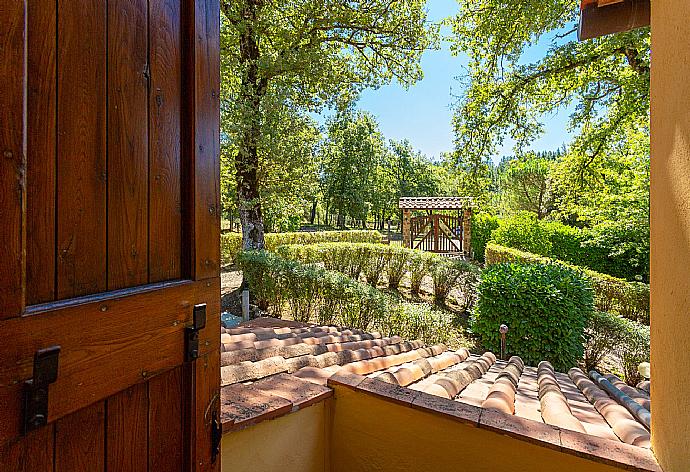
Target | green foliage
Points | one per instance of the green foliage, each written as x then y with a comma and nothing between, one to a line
525,184
287,170
447,273
567,244
376,260
603,335
278,64
416,321
397,266
606,248
606,80
633,351
629,299
363,178
523,231
231,243
312,293
419,265
545,306
614,339
483,225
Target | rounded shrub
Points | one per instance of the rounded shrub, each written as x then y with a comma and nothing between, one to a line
545,306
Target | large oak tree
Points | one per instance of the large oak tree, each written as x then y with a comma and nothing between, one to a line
304,55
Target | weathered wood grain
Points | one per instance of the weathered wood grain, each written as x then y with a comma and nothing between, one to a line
41,147
80,440
31,453
205,148
81,148
108,344
165,179
166,421
127,430
128,152
12,157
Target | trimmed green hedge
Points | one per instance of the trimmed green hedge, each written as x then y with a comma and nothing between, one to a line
312,293
483,226
231,243
609,250
546,308
628,299
623,341
376,261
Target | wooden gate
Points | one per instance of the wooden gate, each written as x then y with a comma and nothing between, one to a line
437,233
109,242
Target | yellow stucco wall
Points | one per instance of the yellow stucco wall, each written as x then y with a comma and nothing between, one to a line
370,434
297,442
670,233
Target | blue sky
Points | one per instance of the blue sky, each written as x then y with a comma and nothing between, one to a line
423,113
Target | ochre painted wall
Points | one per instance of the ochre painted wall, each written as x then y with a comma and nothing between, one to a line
370,434
670,233
297,442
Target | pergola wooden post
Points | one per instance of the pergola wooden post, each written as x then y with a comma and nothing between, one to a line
444,232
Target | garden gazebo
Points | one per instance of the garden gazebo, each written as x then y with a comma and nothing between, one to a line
438,232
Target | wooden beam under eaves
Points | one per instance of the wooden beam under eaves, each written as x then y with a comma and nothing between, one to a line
602,17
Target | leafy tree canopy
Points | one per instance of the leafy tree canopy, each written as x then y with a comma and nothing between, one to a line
303,55
606,80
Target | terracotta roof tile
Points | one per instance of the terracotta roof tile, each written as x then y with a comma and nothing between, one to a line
554,406
270,370
242,405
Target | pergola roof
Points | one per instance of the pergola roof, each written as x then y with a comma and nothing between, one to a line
435,203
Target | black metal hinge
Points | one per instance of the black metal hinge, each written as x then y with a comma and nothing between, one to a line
192,333
36,389
216,436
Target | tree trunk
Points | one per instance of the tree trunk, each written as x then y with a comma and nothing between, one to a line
313,211
253,89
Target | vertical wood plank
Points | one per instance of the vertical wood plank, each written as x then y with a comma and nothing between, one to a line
204,174
165,215
127,430
41,145
80,440
81,153
31,453
12,156
206,139
127,143
165,422
206,403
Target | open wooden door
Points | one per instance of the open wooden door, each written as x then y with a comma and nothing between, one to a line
109,234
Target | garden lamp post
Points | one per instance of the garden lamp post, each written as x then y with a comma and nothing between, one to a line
503,330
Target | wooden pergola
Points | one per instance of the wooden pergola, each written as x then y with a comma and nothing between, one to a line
434,232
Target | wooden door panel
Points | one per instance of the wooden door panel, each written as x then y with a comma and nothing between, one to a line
107,345
165,421
165,103
41,151
127,430
81,148
128,167
205,36
32,453
80,440
109,129
13,157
